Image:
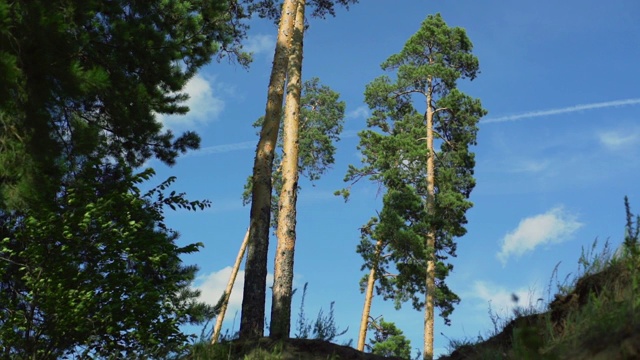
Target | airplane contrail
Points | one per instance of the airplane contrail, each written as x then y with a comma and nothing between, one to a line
569,109
224,148
246,145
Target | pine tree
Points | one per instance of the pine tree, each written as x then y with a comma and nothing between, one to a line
388,340
255,284
373,257
427,190
254,295
280,325
321,122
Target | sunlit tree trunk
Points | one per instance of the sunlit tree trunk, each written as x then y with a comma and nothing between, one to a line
364,322
253,300
286,232
431,237
227,291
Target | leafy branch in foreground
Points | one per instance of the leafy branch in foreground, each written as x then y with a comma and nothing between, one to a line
98,274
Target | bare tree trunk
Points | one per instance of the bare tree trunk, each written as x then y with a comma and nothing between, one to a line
283,273
255,284
227,291
364,322
431,239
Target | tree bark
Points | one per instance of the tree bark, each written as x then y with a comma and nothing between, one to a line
253,300
364,322
430,240
227,291
283,273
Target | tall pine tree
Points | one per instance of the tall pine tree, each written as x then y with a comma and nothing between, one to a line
280,325
418,148
321,115
254,295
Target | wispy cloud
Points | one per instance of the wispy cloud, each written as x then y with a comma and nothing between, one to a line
530,166
361,112
247,145
554,226
260,43
565,110
204,105
502,301
224,148
614,140
212,287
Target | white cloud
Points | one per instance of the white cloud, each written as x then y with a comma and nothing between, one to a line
530,166
565,110
212,287
613,140
260,43
203,105
501,300
361,111
554,226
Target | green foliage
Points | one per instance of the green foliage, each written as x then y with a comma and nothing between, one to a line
388,340
395,157
99,273
66,65
321,122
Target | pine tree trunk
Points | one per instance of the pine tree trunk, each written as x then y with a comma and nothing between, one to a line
283,274
227,291
430,240
255,284
364,322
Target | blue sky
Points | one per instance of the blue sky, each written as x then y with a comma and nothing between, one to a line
557,153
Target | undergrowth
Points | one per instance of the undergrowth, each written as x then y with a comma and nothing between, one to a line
229,347
593,312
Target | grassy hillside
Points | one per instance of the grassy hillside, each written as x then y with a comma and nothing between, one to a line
595,315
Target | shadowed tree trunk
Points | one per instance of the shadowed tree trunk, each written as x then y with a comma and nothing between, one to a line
286,231
253,301
227,292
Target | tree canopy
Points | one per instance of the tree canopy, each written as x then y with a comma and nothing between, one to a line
87,265
112,66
